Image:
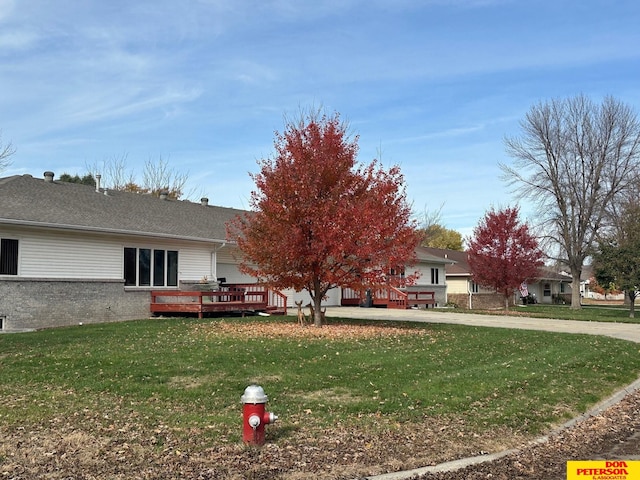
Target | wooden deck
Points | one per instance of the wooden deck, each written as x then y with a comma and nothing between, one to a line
388,297
235,298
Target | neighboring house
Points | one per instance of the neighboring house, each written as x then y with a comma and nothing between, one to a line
588,285
431,284
461,289
586,278
72,253
432,270
549,286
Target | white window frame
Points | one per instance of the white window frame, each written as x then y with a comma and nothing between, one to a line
435,275
152,254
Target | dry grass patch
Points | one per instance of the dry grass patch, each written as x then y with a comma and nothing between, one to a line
333,396
191,381
292,330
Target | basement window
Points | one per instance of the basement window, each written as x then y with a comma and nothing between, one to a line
3,321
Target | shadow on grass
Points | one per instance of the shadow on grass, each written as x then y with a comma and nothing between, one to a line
281,433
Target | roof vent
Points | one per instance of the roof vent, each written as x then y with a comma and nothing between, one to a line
98,177
48,176
164,195
204,201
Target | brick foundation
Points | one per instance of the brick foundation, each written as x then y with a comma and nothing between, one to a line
46,303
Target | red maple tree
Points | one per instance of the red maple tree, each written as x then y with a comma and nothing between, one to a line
502,253
321,221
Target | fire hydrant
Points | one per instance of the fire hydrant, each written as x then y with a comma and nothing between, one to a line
254,415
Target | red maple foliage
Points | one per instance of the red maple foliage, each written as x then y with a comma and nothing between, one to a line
502,253
321,221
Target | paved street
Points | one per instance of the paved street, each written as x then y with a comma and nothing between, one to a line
624,331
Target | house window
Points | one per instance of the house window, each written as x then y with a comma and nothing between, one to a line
8,256
547,290
475,288
130,256
144,265
158,267
434,276
2,322
172,268
397,272
562,287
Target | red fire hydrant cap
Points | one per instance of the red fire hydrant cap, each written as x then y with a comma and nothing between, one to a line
254,394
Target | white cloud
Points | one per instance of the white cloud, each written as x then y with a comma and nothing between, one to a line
17,40
435,83
6,9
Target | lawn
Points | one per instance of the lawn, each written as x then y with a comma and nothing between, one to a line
589,312
155,389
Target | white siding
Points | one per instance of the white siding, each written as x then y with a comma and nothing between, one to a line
230,272
195,263
79,255
228,254
333,298
424,271
52,255
227,266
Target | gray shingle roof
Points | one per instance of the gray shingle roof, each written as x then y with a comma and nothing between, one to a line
425,255
32,201
460,267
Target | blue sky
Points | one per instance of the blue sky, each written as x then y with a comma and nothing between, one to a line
433,85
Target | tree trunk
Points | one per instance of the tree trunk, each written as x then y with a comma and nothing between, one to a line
506,303
316,297
576,302
317,311
632,304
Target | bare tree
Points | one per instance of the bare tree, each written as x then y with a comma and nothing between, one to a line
158,176
6,151
113,172
575,159
431,217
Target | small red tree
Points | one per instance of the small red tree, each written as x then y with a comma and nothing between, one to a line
320,221
502,253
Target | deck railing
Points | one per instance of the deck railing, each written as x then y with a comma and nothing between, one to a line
397,298
230,297
351,297
275,300
383,295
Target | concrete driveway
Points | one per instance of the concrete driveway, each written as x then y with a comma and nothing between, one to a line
624,331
